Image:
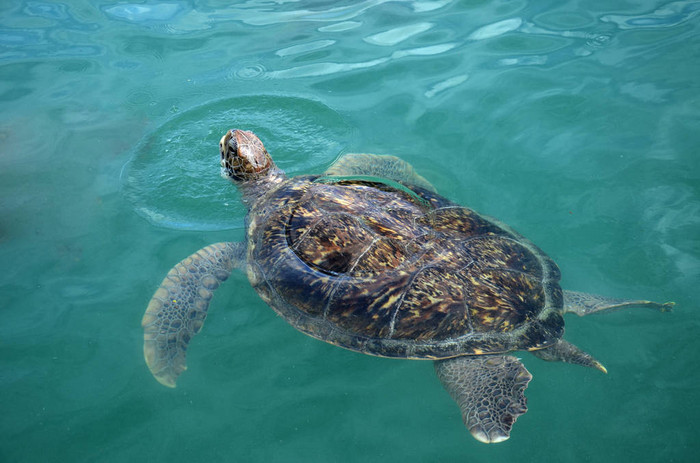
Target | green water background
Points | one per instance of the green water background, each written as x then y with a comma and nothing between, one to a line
575,122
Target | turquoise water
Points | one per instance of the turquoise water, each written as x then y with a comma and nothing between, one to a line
576,123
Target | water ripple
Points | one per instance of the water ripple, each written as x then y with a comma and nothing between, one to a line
15,37
173,178
581,43
398,34
250,71
496,29
143,13
257,13
671,209
446,84
424,51
429,5
645,91
340,27
47,37
671,14
46,10
304,47
320,69
261,13
59,15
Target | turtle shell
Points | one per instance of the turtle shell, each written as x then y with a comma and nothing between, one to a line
399,273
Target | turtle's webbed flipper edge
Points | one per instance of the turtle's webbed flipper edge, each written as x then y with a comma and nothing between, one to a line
489,391
585,304
384,166
178,308
564,351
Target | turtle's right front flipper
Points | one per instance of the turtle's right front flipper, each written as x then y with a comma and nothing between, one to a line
179,306
489,391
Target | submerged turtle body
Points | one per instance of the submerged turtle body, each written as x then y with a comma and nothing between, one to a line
385,272
369,257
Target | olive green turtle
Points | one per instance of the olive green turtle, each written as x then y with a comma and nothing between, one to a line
367,256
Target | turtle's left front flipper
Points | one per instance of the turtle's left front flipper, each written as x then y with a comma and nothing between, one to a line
489,391
178,308
383,166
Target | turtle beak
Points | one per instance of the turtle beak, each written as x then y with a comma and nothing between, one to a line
224,145
227,145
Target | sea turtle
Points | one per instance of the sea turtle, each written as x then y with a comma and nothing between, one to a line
367,256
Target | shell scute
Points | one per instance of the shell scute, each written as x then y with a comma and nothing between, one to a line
366,309
333,243
500,300
382,255
433,306
502,252
459,222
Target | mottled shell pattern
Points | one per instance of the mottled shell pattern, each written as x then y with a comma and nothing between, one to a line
397,272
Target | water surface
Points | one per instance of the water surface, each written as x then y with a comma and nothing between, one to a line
578,124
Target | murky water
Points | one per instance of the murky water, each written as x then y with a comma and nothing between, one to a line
576,124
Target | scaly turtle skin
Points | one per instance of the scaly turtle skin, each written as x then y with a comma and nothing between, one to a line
369,257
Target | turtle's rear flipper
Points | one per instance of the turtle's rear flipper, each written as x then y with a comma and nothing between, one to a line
383,166
564,351
584,304
179,306
489,391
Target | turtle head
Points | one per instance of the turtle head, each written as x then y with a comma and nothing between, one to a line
244,158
